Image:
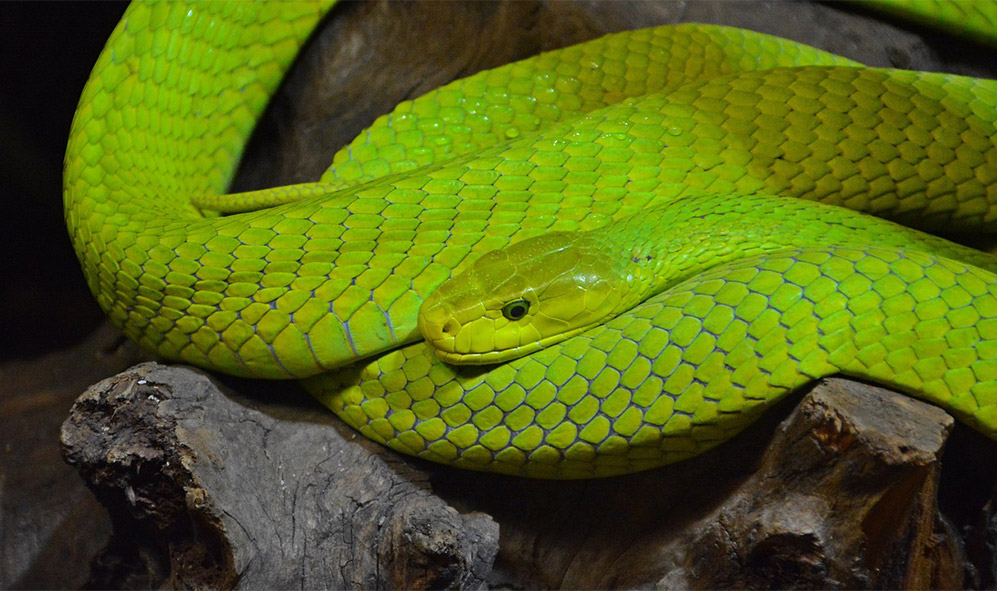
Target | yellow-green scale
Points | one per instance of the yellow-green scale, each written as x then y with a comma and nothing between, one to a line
692,366
671,242
507,102
972,20
338,276
380,248
510,101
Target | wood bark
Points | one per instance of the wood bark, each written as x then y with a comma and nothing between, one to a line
207,487
214,490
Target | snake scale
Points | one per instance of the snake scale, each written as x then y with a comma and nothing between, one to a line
641,209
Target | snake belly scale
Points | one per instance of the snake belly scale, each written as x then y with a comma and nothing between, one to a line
326,285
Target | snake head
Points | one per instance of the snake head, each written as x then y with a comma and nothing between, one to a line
517,300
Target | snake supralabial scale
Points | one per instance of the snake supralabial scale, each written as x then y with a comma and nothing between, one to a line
661,182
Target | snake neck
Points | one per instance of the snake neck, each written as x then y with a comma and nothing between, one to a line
665,245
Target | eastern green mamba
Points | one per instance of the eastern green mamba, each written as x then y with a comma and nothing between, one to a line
648,239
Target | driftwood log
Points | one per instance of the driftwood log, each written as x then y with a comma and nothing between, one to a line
838,498
213,489
209,488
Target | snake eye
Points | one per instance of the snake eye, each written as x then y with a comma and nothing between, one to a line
516,309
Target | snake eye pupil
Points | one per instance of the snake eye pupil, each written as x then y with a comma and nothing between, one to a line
515,310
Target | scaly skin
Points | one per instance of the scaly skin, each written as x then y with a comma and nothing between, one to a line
975,20
688,369
568,141
572,281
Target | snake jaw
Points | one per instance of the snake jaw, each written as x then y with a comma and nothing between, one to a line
449,355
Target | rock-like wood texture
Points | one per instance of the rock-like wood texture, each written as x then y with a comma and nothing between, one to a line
210,488
226,491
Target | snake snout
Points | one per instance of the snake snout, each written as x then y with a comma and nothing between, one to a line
438,326
450,327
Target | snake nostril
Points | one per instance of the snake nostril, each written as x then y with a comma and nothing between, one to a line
449,327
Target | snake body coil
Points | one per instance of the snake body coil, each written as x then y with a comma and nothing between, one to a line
326,284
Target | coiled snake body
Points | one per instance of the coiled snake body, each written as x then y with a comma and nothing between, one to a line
667,149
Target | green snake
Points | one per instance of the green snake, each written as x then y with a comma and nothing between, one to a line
626,232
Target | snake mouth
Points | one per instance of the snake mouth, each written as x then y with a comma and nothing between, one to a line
446,351
486,358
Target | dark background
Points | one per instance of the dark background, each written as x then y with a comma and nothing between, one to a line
46,52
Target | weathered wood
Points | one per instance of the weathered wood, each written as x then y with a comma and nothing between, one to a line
841,497
845,498
210,488
219,491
